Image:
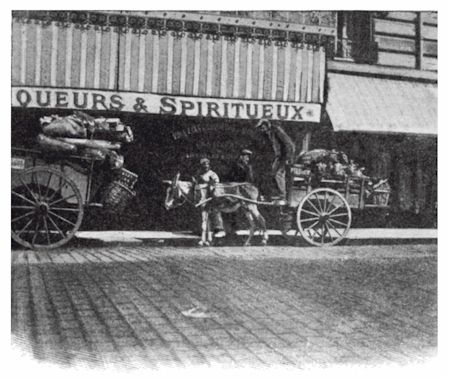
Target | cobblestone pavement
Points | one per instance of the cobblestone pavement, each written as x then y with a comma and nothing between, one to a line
259,306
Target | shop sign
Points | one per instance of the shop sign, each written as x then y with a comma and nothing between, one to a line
98,100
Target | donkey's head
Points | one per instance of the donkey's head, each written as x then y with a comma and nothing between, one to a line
177,193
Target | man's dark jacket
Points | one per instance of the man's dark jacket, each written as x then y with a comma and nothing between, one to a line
241,172
282,145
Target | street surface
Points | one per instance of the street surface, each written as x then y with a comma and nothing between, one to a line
157,305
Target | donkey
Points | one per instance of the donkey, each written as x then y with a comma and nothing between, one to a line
227,198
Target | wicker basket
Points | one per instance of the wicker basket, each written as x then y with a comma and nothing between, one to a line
381,194
125,177
381,198
116,197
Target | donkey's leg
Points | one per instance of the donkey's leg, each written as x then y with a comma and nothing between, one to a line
251,221
209,232
205,228
261,222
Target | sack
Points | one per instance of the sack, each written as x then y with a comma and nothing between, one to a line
126,136
55,145
95,144
63,127
313,156
115,160
111,129
322,155
94,154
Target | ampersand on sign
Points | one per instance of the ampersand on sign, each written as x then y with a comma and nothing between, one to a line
140,105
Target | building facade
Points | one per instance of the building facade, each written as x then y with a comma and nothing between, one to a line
195,83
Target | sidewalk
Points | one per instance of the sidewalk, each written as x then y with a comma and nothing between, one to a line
354,234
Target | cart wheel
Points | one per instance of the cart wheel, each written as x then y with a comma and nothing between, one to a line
323,217
46,208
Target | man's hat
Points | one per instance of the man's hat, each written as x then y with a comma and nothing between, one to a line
204,160
246,152
262,121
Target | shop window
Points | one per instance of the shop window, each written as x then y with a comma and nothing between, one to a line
355,37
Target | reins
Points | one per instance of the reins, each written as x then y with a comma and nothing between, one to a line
185,197
256,202
206,200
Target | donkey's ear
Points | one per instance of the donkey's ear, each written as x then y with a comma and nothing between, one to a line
167,182
176,179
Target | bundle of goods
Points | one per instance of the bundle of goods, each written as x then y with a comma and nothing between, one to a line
329,164
92,138
332,164
81,134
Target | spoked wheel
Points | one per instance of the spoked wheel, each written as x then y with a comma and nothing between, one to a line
324,217
46,208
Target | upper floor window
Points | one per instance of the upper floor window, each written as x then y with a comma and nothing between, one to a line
393,38
354,37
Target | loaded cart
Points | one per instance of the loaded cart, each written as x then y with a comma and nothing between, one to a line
321,193
320,204
50,189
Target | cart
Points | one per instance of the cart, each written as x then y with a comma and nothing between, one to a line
50,193
319,208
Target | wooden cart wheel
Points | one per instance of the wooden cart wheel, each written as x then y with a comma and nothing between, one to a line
46,208
323,217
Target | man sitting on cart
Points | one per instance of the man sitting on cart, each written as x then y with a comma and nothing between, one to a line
284,152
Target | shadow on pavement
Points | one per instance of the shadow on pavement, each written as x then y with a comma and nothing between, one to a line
239,242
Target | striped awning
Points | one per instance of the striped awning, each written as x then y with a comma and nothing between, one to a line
367,104
51,55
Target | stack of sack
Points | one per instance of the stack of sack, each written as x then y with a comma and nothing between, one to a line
93,139
330,164
83,135
333,164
